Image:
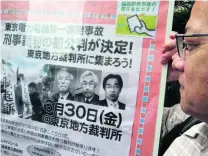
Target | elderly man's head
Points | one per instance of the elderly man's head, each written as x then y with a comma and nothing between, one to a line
194,76
65,79
89,82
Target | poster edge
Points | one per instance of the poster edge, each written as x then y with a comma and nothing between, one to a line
163,82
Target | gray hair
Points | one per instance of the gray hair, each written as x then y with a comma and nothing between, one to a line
65,70
89,73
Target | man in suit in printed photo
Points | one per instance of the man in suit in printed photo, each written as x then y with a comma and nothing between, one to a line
88,81
112,85
64,79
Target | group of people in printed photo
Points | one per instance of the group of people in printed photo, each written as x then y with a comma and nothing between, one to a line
84,88
112,85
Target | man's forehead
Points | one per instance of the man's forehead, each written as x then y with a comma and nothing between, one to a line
198,22
114,80
65,73
88,76
88,79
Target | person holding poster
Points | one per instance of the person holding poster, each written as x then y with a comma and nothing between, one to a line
192,131
112,84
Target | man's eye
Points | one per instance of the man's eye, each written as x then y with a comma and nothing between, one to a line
189,46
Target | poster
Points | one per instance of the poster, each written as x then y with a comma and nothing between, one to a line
81,78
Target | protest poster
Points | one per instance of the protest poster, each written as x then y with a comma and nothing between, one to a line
82,78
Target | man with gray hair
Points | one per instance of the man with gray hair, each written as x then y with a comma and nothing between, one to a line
88,81
64,79
185,126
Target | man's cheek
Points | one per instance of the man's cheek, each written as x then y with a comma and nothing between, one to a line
92,90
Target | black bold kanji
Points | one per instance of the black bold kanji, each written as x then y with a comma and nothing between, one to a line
121,47
74,125
38,54
98,31
94,130
7,39
8,96
83,128
88,30
63,58
59,109
105,132
83,45
30,53
46,55
8,26
106,46
117,134
8,108
54,121
82,58
22,27
14,26
72,57
110,119
99,60
54,57
64,123
5,83
92,115
16,39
